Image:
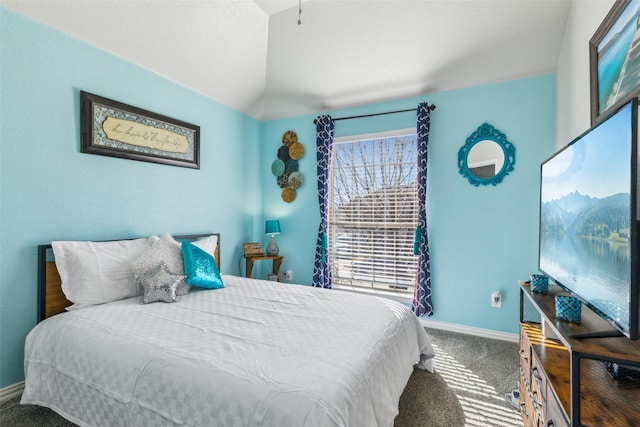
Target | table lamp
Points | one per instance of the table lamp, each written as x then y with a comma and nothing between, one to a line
272,226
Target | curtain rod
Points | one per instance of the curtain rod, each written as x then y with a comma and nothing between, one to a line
431,107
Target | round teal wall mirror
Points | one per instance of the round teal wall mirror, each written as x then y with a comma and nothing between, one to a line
486,157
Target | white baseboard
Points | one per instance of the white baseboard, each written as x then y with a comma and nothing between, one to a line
470,330
407,300
11,392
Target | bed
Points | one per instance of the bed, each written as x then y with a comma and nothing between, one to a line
250,353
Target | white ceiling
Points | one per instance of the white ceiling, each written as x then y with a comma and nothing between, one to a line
253,56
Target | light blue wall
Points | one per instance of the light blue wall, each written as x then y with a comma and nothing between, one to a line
482,238
49,190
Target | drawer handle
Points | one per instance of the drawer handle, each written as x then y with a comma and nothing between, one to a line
534,371
523,409
523,356
550,423
537,403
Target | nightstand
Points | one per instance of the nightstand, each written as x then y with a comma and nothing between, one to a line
276,261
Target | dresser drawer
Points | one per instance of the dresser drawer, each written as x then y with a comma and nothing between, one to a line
525,354
554,414
526,407
538,380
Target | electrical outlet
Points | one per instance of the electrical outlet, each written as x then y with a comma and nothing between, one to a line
496,299
287,275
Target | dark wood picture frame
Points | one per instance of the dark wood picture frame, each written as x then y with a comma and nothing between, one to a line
114,129
612,39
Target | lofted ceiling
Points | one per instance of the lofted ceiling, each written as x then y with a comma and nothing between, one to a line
252,55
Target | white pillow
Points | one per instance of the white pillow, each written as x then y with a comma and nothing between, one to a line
98,272
208,244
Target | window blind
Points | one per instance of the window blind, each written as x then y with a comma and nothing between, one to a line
373,213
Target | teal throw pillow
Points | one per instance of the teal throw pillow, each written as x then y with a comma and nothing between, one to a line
200,267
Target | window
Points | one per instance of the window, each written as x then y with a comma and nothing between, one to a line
373,211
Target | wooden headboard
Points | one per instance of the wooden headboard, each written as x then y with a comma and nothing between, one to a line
51,299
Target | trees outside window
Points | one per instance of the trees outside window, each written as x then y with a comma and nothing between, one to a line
373,212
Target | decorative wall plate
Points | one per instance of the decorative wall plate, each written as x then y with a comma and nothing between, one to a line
296,151
288,194
283,180
296,180
277,167
291,166
283,153
285,167
289,138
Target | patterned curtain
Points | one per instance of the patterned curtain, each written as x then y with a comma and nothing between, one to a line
324,142
422,295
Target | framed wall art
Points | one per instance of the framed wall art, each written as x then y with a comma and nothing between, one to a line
615,59
111,128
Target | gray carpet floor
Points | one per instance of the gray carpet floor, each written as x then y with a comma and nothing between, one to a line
472,376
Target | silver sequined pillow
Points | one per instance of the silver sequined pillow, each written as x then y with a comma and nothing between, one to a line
164,250
159,284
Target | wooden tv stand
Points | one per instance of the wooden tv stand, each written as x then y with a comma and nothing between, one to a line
563,381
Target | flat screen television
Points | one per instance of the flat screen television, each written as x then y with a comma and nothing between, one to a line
588,219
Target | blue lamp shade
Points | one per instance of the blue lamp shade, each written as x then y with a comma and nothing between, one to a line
272,226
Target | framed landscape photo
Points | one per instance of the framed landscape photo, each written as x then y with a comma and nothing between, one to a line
111,128
614,57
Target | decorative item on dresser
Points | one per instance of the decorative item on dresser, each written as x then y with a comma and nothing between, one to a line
128,361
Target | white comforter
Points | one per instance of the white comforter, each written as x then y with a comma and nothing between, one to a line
255,353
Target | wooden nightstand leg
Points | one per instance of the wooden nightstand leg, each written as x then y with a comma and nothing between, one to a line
249,267
276,267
